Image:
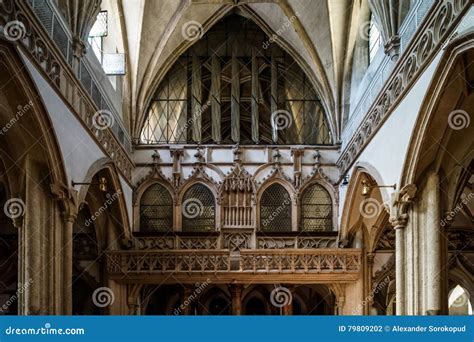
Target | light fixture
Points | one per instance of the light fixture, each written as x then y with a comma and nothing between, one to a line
102,184
366,187
345,180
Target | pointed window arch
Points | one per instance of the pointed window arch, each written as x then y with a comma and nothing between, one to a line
316,209
275,209
156,209
235,85
198,209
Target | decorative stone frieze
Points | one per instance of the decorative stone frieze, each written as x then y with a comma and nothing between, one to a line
426,43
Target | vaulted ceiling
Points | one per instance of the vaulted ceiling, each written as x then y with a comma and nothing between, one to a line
319,34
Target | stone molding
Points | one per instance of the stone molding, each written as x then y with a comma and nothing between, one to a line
438,25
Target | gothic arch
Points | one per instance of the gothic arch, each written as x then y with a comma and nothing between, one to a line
182,192
361,210
330,189
291,193
156,72
140,190
108,170
33,104
429,115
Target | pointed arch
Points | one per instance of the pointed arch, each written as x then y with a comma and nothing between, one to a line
156,71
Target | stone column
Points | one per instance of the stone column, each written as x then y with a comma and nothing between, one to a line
370,290
400,257
68,263
236,293
67,199
433,241
339,308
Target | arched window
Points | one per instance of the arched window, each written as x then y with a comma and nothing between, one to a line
316,209
275,209
156,209
235,85
198,209
375,40
459,302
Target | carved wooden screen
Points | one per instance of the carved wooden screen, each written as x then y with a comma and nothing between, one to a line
316,209
156,209
233,86
198,209
275,209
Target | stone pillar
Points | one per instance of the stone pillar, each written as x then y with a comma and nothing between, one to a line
370,290
433,241
339,308
67,199
68,263
400,257
401,201
236,293
41,244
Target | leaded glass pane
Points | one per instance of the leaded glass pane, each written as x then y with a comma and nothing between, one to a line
277,83
275,209
156,209
198,209
316,209
167,115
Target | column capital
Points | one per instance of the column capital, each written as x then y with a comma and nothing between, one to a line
68,198
399,222
401,201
